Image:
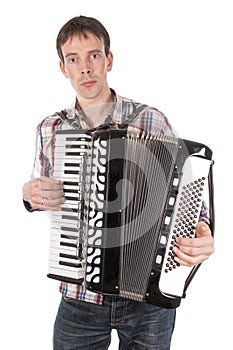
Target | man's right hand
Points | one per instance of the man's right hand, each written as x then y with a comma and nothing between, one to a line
44,193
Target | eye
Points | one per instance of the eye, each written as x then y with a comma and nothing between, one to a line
95,56
72,60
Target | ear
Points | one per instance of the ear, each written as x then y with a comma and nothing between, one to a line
63,69
110,61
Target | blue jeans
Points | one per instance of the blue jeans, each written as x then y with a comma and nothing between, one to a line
86,326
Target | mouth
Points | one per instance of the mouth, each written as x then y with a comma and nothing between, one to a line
88,83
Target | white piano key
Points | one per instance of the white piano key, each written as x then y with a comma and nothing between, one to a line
60,227
71,175
55,251
75,206
66,272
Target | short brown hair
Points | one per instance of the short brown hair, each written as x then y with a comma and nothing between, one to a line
82,25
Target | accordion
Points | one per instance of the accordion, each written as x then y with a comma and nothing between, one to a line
128,196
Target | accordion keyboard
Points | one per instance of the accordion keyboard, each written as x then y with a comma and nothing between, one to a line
66,238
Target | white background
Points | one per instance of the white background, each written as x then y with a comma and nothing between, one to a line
175,55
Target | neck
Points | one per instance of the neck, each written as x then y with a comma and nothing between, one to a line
97,109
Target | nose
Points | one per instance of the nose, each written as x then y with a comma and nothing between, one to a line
85,71
85,68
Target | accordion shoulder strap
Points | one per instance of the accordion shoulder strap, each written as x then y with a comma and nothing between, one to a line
71,119
133,115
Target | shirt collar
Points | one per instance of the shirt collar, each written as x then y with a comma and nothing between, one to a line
114,115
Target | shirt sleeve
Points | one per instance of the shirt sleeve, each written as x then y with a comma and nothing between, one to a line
38,165
37,168
204,213
28,207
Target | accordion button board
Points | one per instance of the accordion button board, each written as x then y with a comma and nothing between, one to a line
187,207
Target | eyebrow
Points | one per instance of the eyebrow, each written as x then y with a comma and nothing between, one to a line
89,52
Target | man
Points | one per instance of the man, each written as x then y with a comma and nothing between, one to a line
85,319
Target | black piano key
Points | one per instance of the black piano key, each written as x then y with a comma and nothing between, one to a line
68,256
69,217
72,172
65,263
70,245
70,210
71,183
70,229
69,198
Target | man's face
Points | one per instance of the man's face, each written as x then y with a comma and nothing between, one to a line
86,66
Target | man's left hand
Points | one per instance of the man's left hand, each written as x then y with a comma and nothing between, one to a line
193,251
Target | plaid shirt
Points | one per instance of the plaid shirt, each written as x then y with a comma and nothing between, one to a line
150,120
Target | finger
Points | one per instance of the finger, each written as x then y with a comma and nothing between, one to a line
202,229
53,205
48,179
47,183
187,260
42,207
44,204
52,194
194,242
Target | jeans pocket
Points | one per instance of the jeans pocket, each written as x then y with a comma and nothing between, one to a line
67,299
